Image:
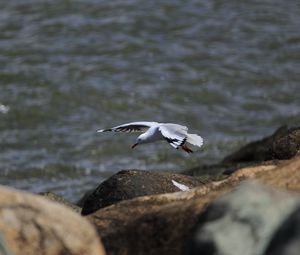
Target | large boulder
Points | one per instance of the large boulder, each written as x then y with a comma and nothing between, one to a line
283,144
30,224
243,221
155,224
129,184
159,224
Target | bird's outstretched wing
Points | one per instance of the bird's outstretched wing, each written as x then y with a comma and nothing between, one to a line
175,135
140,126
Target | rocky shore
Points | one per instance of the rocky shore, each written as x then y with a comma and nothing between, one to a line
250,205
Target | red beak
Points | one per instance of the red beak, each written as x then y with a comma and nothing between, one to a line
134,145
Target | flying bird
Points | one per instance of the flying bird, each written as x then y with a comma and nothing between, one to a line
176,135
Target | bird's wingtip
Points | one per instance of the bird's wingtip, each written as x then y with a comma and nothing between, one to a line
100,130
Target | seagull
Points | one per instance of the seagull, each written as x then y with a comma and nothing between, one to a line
176,135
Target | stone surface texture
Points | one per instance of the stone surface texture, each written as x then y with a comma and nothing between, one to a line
30,224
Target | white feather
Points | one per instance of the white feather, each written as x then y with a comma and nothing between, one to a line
194,139
180,186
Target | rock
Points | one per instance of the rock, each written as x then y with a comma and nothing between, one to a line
285,175
30,224
134,183
154,224
81,200
214,171
286,146
286,240
3,249
159,224
283,144
243,221
58,199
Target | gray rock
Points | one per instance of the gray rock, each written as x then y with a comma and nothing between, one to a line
286,240
4,250
134,183
243,221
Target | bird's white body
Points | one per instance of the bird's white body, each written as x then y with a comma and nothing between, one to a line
176,135
152,135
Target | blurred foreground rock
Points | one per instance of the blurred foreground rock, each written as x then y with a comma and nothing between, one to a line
160,224
30,224
286,240
243,221
129,184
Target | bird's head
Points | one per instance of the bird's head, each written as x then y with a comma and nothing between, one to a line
139,140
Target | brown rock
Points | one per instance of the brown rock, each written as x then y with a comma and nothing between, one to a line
30,224
159,224
146,225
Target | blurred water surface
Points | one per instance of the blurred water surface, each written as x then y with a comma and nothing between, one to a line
230,70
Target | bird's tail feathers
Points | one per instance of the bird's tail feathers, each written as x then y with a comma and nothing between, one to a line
195,139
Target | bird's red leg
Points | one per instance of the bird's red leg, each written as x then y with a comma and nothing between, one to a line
187,149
